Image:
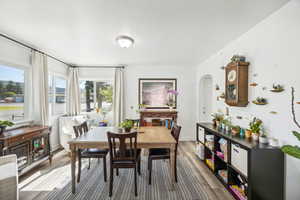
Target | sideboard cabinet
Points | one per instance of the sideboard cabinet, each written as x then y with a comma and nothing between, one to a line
30,144
247,169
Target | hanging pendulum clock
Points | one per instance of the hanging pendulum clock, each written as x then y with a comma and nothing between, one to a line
236,84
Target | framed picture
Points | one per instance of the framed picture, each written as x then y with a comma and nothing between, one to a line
157,93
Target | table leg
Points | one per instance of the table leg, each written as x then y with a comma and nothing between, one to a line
73,167
172,165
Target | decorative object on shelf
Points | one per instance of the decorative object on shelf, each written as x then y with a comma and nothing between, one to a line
248,133
255,75
239,117
217,87
277,88
242,132
154,92
235,130
264,88
273,112
253,84
171,99
263,138
260,101
217,118
222,96
4,124
124,41
236,84
255,127
238,58
142,106
289,149
127,125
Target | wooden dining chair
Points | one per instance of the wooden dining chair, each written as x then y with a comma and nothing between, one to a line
164,153
89,153
123,154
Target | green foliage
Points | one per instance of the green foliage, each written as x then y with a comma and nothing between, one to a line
127,124
7,94
297,135
106,93
291,150
6,123
255,125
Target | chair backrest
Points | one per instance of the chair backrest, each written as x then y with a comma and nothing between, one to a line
122,146
176,133
80,129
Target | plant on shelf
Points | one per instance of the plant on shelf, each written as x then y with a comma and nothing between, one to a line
255,127
217,118
127,125
4,124
260,101
277,88
289,149
235,130
263,137
226,124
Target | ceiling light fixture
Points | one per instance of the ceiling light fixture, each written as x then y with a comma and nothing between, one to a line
124,41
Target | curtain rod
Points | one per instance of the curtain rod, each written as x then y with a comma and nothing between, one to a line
32,48
120,66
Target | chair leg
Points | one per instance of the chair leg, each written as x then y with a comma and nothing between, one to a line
117,171
139,166
79,167
89,163
175,169
104,168
111,180
150,170
135,181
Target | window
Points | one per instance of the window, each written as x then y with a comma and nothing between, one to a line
96,94
57,95
12,93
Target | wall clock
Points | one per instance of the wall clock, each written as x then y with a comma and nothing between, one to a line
236,84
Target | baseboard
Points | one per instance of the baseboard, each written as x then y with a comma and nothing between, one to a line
56,147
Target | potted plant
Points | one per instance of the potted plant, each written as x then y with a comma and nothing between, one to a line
4,124
217,118
248,133
235,130
127,125
255,127
263,138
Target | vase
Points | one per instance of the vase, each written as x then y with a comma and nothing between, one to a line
214,122
255,136
248,134
127,130
234,132
263,140
218,124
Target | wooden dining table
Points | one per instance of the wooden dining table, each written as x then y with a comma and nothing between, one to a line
148,137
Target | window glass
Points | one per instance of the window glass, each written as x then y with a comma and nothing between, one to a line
12,90
87,96
60,85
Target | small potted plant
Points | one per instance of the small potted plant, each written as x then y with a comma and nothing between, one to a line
4,124
217,118
127,125
235,130
277,88
255,127
263,138
260,101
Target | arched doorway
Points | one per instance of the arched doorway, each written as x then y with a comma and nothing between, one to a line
205,98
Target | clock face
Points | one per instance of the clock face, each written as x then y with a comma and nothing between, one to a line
231,75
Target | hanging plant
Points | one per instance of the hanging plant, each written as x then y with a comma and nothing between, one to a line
277,88
289,149
260,101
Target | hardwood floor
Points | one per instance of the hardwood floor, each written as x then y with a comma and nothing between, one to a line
46,178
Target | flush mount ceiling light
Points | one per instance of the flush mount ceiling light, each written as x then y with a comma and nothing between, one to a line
124,41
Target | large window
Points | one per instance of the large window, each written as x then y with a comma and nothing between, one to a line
57,95
12,93
96,95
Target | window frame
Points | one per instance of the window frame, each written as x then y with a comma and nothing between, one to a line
54,75
94,87
27,88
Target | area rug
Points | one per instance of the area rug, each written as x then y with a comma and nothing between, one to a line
191,185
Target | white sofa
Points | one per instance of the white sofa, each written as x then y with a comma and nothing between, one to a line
9,178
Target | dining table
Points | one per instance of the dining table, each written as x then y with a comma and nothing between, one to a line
148,137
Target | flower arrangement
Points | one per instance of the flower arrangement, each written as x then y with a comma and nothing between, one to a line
255,127
171,100
4,124
127,125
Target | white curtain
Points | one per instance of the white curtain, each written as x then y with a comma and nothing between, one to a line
40,103
118,98
73,105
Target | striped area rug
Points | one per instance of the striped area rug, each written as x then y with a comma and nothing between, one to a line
191,185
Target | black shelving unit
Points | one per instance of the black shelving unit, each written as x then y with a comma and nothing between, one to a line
260,166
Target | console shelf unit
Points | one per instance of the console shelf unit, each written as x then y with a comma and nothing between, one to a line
260,166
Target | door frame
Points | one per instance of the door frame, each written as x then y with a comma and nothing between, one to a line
201,101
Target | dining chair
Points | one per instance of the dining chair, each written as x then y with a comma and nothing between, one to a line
123,154
89,153
164,153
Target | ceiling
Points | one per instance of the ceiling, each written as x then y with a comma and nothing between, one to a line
170,32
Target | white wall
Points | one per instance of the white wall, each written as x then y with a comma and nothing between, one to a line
272,48
186,85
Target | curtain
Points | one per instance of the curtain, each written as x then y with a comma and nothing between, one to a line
40,103
118,97
73,104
